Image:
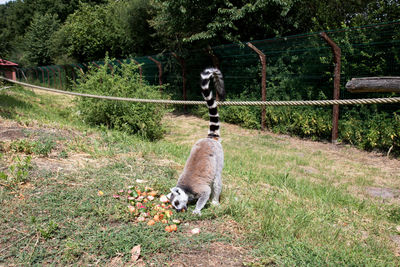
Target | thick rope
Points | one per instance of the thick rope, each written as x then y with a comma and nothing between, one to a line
224,103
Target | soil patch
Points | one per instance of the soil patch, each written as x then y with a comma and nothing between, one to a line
11,133
216,253
386,193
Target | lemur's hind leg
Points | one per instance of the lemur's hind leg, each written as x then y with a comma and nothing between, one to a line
202,201
217,188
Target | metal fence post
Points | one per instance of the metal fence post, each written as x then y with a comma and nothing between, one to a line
60,75
140,70
41,69
158,63
263,82
54,75
336,85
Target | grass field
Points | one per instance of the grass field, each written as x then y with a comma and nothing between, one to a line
285,201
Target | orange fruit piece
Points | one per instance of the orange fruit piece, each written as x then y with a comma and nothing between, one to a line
151,222
168,229
153,193
164,221
156,218
173,227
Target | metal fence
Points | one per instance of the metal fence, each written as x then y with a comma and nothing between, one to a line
312,66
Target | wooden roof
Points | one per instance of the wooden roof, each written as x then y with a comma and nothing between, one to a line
7,63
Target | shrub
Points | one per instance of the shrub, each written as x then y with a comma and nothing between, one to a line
307,122
368,130
124,81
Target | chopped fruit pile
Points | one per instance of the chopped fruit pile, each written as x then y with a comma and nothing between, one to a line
147,205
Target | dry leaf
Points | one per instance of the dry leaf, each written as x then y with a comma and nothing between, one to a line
115,262
135,253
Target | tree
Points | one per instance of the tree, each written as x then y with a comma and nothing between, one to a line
193,22
137,35
38,39
87,34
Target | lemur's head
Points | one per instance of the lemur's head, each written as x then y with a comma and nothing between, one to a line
178,199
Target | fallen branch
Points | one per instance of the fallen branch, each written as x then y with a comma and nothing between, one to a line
374,85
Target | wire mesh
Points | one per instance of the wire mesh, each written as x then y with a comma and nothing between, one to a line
299,67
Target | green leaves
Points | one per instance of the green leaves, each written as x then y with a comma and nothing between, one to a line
124,81
38,39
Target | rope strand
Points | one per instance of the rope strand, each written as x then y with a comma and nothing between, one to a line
224,103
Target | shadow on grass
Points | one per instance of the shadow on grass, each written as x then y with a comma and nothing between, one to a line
9,104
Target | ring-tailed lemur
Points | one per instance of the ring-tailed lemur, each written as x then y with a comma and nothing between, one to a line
201,175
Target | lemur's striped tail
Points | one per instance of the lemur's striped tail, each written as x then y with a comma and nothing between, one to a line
208,96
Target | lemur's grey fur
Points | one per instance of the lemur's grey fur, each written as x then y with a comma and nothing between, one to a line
201,176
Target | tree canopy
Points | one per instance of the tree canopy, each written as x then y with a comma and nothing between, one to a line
42,31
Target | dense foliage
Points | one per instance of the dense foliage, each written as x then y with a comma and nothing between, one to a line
134,118
90,28
42,32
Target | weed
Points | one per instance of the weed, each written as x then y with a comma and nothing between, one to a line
394,214
18,172
63,154
44,146
49,230
41,147
24,145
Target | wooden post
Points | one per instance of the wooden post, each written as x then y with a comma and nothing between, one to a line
182,63
336,85
158,63
374,85
263,82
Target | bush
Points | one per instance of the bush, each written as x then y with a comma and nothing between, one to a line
368,130
309,122
124,81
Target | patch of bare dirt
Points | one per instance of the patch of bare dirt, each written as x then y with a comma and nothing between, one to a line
215,253
383,192
11,133
68,165
396,241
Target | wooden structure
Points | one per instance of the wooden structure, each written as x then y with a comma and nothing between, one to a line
374,85
8,69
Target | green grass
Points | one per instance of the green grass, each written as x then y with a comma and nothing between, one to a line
294,205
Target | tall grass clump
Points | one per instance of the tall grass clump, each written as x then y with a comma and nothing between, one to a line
122,81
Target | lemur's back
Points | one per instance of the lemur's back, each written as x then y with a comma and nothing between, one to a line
205,161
